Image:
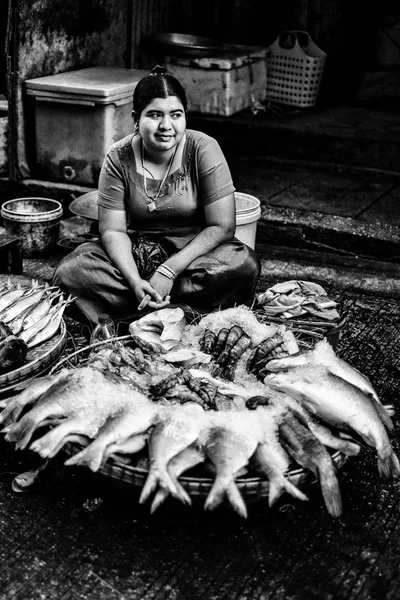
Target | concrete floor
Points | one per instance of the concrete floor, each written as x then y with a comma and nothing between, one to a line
79,537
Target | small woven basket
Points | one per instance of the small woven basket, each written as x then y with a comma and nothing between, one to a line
38,360
295,66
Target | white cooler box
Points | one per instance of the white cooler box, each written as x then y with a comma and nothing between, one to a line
225,83
78,115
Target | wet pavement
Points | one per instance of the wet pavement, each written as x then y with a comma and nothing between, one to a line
79,536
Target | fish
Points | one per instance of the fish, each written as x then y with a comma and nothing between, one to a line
132,445
327,436
308,452
85,393
9,296
6,285
323,354
42,308
21,431
330,439
229,441
34,312
190,457
29,299
13,407
51,443
131,421
340,404
178,428
271,460
46,327
16,325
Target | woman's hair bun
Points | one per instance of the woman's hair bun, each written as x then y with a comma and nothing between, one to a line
159,70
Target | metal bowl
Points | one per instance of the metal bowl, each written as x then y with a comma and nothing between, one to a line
86,206
185,44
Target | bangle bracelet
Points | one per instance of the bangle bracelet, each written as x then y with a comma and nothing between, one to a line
171,271
167,272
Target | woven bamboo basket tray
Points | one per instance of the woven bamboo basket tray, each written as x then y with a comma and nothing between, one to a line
38,360
252,488
130,477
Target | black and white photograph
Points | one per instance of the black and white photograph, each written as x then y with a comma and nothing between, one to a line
199,300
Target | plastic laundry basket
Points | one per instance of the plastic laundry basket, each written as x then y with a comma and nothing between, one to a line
295,66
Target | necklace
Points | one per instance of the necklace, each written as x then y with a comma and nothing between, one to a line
151,205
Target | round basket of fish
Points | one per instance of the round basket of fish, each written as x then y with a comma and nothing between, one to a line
229,410
32,329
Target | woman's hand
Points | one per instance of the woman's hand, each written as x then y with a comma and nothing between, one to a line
148,296
117,244
161,284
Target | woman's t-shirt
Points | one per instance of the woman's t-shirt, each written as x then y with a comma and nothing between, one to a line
199,175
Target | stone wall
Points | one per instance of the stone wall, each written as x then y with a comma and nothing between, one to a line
3,146
56,36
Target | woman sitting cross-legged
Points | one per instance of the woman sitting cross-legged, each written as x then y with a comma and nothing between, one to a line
166,219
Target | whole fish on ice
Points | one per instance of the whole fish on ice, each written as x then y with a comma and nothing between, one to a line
85,393
328,436
175,431
188,458
229,440
341,404
308,452
131,421
323,354
13,407
270,459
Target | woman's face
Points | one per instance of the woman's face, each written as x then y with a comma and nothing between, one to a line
162,124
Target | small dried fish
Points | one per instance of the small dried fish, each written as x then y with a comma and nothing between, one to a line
46,327
42,308
9,296
29,299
